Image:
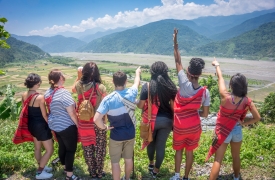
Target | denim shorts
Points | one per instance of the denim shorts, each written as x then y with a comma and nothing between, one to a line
236,135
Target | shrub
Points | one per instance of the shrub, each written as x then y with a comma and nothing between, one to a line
267,110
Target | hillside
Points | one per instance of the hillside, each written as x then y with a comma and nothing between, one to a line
153,38
255,44
245,26
20,51
53,44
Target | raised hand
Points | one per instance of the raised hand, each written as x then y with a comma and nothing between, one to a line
215,62
138,70
175,36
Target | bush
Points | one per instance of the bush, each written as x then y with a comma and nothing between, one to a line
267,110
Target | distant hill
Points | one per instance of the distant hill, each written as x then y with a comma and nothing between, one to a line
20,51
90,37
53,44
245,26
255,44
219,24
153,38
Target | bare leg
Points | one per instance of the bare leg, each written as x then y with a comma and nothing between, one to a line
128,168
178,160
116,171
37,150
48,145
235,151
189,162
217,162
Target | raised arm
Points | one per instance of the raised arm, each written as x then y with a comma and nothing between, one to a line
222,87
79,74
176,51
137,78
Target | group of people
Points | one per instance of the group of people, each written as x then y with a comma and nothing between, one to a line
171,109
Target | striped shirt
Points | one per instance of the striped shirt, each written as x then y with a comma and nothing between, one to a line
117,114
59,119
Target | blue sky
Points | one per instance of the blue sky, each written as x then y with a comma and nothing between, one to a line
49,17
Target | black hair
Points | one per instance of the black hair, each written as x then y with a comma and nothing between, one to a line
32,80
162,88
195,67
119,78
90,73
238,85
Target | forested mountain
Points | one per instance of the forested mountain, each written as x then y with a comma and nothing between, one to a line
219,24
255,44
245,26
154,38
53,44
20,51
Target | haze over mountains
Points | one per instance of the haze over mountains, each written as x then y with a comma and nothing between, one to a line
248,35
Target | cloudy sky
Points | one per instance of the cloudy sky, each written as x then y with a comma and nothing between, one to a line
49,17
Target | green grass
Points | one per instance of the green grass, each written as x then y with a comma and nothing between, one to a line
257,152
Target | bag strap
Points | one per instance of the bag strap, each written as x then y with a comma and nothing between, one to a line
236,107
94,86
149,104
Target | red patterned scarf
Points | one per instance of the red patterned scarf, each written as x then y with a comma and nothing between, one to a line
22,133
49,99
154,113
86,131
226,121
187,124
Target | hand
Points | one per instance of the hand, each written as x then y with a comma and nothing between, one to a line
79,72
109,128
215,62
138,71
175,35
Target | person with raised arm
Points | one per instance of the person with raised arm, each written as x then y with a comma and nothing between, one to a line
231,117
187,125
122,136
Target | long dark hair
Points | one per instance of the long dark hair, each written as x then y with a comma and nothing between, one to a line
90,73
238,84
162,88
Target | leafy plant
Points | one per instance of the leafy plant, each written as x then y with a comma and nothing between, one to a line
267,110
3,34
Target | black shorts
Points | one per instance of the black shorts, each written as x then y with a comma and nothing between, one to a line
40,131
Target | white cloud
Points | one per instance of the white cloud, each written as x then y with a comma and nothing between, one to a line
174,9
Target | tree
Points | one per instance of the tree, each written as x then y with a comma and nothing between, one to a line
267,110
3,34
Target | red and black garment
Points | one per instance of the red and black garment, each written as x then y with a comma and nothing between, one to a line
22,133
226,121
86,131
187,124
145,119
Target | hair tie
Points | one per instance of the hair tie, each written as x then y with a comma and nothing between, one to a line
51,82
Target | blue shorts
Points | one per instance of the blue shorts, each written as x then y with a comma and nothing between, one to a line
236,135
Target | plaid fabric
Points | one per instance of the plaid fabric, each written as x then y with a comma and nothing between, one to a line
22,133
226,120
154,113
187,125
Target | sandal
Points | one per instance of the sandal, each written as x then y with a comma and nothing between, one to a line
150,167
154,174
73,177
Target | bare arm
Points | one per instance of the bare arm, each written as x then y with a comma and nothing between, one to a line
176,51
137,78
43,107
99,121
140,104
222,87
255,116
205,111
71,111
79,74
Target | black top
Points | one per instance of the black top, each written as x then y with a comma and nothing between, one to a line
161,111
35,114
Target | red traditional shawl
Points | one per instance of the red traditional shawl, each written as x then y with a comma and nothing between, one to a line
226,121
86,131
154,113
187,125
22,133
49,99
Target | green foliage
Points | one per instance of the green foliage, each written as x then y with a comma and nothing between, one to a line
212,86
267,110
9,108
3,34
2,72
63,60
